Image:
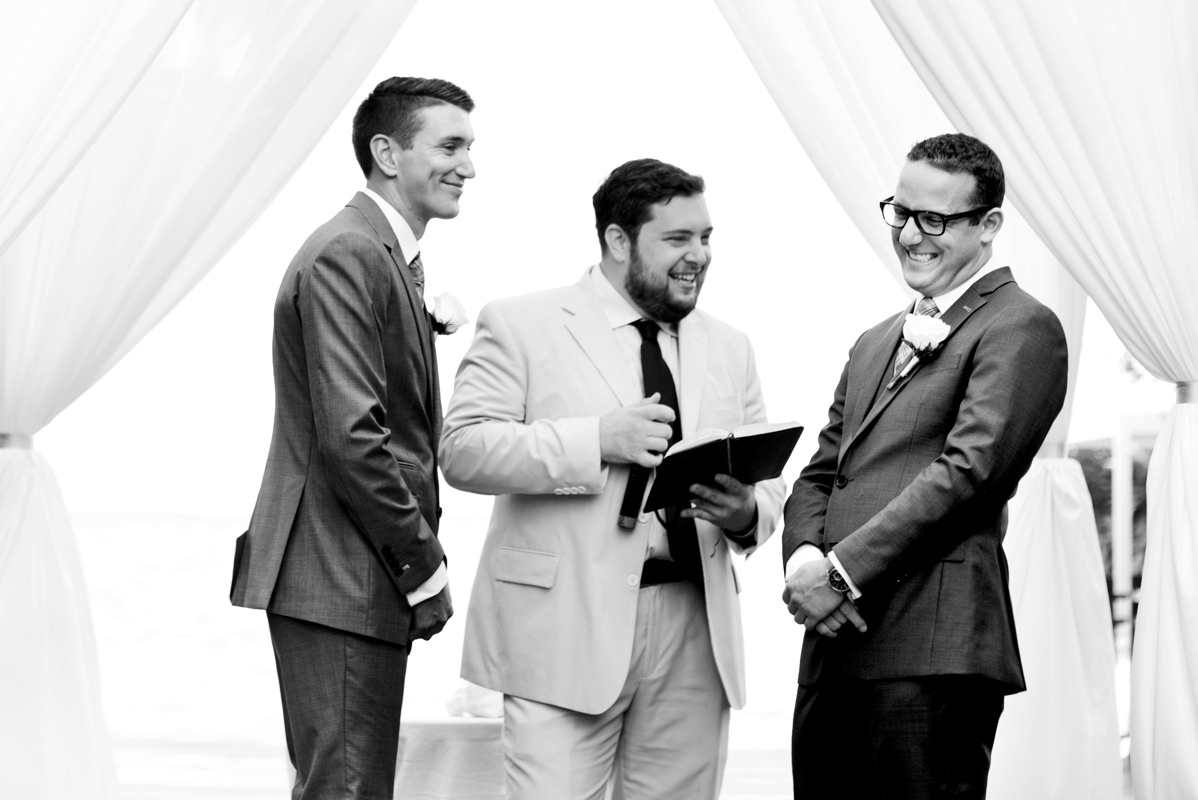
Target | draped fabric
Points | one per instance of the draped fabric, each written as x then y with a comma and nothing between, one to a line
1042,749
1094,108
188,131
87,58
856,105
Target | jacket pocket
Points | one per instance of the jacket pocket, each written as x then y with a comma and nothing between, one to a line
529,567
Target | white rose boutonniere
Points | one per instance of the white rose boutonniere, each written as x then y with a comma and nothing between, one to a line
448,313
926,336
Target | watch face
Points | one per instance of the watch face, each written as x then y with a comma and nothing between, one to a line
837,581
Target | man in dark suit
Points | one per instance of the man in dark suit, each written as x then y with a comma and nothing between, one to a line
342,549
893,534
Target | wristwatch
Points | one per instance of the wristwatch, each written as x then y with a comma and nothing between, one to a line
836,580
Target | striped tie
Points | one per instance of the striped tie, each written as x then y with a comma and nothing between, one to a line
417,269
925,308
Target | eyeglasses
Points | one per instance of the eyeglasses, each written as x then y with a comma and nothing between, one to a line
930,223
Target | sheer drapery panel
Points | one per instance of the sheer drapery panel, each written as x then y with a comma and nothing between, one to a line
856,105
1095,107
205,133
69,65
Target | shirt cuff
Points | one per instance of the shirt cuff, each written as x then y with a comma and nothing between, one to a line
854,592
430,588
746,538
805,553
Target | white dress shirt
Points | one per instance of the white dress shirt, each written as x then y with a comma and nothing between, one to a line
409,245
620,315
809,552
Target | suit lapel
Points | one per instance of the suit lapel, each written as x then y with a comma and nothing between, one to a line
973,299
692,363
419,314
589,326
877,364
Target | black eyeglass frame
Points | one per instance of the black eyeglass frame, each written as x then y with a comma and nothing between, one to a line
945,219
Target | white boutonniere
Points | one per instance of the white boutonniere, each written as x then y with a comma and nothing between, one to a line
926,336
448,313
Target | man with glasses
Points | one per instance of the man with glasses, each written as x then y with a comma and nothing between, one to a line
893,537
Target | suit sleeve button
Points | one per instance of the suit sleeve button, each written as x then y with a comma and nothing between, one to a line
841,481
634,580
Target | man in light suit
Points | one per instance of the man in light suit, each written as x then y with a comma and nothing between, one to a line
609,642
342,549
893,535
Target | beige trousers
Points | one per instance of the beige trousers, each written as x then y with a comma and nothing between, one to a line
666,736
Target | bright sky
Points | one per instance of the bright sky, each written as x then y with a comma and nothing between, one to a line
182,425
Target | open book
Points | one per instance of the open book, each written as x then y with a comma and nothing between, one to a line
751,454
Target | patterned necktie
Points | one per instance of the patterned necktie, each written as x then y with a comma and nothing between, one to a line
680,531
417,270
925,308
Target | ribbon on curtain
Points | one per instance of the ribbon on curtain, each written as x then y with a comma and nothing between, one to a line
1094,104
856,105
207,123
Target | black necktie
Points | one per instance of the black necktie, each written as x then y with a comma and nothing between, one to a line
680,531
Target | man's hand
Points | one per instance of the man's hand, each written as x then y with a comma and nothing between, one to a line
845,613
732,508
430,616
812,602
636,434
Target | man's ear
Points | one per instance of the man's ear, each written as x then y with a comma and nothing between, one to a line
386,154
991,224
618,243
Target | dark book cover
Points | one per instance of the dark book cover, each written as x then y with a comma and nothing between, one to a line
751,454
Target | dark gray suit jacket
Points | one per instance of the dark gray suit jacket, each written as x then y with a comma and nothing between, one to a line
910,484
346,519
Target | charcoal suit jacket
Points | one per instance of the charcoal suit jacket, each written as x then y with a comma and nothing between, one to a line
910,483
346,520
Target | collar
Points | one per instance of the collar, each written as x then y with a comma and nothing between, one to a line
409,245
945,301
617,310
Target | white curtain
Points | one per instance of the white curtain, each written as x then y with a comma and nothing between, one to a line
186,142
84,60
857,106
1094,104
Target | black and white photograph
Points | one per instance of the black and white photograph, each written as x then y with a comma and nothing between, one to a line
343,342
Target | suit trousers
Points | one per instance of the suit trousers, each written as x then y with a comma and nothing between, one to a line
666,735
342,694
905,739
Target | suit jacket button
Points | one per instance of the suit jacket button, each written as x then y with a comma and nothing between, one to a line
644,517
634,580
841,481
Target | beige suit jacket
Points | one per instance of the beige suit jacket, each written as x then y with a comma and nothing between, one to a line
553,607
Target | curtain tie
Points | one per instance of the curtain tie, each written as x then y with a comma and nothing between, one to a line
1187,391
16,441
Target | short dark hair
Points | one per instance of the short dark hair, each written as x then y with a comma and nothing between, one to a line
631,188
391,110
960,152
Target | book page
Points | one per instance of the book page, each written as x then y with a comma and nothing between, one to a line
759,427
698,438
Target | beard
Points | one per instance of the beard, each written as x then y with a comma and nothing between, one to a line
652,295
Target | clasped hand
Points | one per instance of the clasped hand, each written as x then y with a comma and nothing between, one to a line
815,604
429,617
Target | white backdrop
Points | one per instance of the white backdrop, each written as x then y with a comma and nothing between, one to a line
181,425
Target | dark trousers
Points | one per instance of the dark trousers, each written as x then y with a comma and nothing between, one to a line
912,739
342,694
